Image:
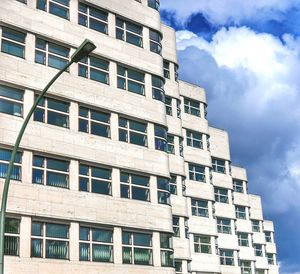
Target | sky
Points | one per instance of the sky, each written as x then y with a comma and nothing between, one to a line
246,54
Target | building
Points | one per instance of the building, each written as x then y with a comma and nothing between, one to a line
119,170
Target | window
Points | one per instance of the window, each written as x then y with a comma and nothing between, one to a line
218,165
270,257
166,69
243,239
57,7
186,227
255,225
137,248
221,195
94,122
192,107
135,187
163,190
132,132
240,212
5,156
50,54
268,236
178,105
49,240
238,186
129,32
197,173
12,237
166,250
155,42
158,92
51,172
202,244
95,69
92,18
180,146
259,271
178,267
258,250
173,185
53,112
200,208
176,74
194,139
246,267
131,80
171,144
154,4
11,101
95,244
168,102
13,42
95,179
224,226
161,142
226,257
176,226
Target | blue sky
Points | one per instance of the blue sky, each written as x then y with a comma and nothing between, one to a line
246,54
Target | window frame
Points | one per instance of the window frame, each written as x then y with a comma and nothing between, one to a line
226,259
125,32
258,250
223,227
217,166
17,166
221,197
57,3
197,208
194,174
200,242
240,214
238,185
155,43
166,66
163,190
176,226
166,252
194,139
161,138
12,101
168,103
255,224
190,109
13,42
11,238
243,239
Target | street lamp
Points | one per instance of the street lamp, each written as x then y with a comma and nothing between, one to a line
82,51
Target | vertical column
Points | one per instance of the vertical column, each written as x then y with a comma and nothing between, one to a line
114,126
73,177
153,190
28,102
73,116
118,245
116,183
25,233
31,4
176,145
207,175
179,180
112,25
151,136
30,46
204,140
73,69
26,167
146,38
148,86
74,11
182,228
156,249
113,74
74,241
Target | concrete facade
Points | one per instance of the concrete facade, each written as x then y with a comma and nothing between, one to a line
217,226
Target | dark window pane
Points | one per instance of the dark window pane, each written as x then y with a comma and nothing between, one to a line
58,10
58,119
99,129
101,187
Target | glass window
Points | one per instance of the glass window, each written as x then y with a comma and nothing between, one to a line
258,250
186,227
95,179
163,190
240,212
243,239
135,187
181,146
13,42
192,107
158,92
200,208
11,101
259,271
50,54
268,236
178,104
166,250
137,248
94,122
95,69
173,185
218,165
221,195
154,4
132,132
57,7
155,41
224,226
53,112
178,267
161,142
129,32
168,103
5,156
202,244
197,173
194,139
92,18
171,144
49,240
226,257
51,172
270,257
176,74
166,69
176,226
246,267
131,80
255,225
12,237
95,244
238,186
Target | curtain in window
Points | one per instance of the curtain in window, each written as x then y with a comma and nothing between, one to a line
36,248
56,249
11,245
84,252
56,179
127,255
16,174
142,256
102,253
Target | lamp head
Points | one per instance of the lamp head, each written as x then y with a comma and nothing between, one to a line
83,50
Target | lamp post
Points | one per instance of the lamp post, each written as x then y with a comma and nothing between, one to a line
82,51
